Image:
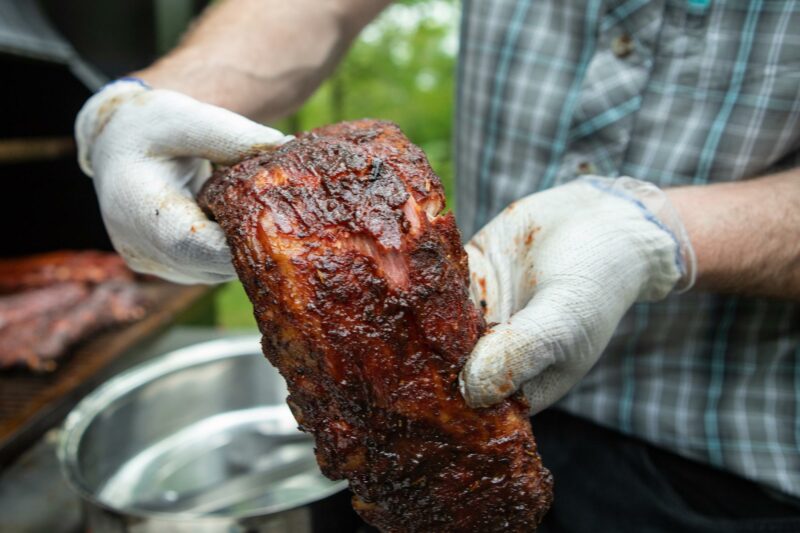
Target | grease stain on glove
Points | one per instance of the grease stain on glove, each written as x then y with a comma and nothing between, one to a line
556,271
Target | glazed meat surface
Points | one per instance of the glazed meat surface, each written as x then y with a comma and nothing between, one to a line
89,266
360,289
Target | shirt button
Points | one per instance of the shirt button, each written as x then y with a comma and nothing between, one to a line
586,168
622,45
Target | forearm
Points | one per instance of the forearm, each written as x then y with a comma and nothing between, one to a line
746,234
262,58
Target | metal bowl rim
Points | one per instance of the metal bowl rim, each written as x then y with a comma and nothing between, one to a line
86,411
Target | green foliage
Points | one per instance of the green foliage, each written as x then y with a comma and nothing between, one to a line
233,309
402,68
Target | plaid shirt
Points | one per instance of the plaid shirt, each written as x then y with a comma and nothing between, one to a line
678,92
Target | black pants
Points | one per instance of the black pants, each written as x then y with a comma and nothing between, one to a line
606,482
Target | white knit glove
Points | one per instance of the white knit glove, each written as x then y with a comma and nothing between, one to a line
148,152
557,271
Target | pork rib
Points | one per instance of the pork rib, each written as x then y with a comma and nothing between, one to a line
64,266
359,284
39,326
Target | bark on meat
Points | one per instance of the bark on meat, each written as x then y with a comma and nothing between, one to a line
360,288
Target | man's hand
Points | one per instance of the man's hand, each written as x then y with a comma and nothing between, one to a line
148,152
556,271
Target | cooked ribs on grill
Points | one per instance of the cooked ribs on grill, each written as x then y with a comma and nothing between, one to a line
360,288
89,266
61,299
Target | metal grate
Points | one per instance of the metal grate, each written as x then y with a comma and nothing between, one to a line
32,403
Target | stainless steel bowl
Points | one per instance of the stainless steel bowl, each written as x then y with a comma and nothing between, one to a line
198,440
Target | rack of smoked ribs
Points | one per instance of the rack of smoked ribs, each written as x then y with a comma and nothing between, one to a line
51,302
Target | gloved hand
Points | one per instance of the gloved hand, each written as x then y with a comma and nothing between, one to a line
556,271
148,152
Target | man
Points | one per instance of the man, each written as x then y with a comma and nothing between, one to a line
690,417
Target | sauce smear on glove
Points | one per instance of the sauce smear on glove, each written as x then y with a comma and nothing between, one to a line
360,288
